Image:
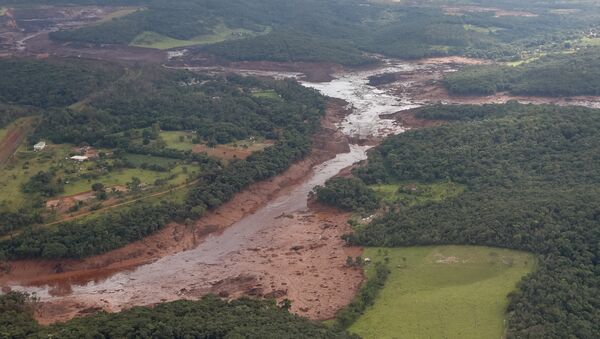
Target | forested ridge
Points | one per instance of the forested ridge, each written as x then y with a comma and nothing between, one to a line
531,174
554,75
341,31
126,116
209,317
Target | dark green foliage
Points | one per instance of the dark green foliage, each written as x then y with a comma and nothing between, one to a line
53,83
16,316
88,237
10,113
557,75
44,183
365,298
531,173
10,221
208,318
290,46
469,112
220,109
336,30
349,194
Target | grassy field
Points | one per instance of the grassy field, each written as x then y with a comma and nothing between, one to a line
220,33
179,140
443,292
481,29
411,194
27,163
119,13
587,41
182,140
268,94
18,171
123,176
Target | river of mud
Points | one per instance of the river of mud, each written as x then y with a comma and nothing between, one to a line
283,250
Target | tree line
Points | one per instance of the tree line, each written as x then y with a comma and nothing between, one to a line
531,175
341,31
555,75
209,317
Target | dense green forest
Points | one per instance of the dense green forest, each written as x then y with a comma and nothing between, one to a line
554,75
220,109
51,83
349,194
209,317
127,116
30,85
531,174
340,31
290,46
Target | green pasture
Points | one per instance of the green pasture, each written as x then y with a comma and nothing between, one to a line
443,292
416,193
220,33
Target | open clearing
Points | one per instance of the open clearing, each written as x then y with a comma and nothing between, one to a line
237,150
220,33
12,136
184,141
80,176
444,292
416,193
118,13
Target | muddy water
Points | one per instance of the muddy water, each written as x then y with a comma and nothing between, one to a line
368,102
219,256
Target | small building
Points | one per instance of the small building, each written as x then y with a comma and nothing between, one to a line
79,158
40,146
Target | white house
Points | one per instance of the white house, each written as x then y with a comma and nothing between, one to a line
40,146
80,158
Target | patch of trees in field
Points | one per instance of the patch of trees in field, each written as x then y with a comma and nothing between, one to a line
556,75
209,317
531,174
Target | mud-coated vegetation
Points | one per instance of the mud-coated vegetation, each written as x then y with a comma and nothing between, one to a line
530,173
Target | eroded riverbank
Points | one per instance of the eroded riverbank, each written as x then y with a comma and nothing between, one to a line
266,242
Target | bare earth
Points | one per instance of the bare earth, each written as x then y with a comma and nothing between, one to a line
302,259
